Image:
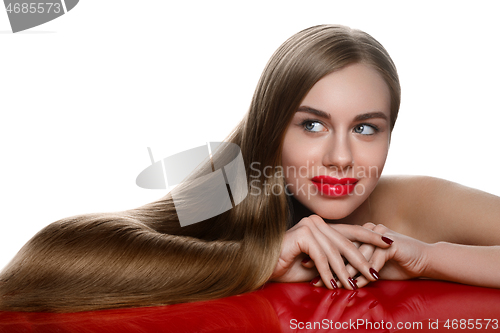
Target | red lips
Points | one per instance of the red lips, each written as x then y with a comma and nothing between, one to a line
333,186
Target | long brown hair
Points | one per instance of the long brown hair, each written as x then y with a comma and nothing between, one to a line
143,257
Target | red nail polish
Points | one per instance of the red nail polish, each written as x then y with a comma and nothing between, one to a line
315,280
306,260
373,304
387,240
334,284
374,273
353,284
354,293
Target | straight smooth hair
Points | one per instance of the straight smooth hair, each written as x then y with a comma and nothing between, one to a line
143,257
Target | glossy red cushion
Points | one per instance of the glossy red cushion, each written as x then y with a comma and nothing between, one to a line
417,305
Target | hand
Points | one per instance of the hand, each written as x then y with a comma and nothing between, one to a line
325,244
366,250
405,259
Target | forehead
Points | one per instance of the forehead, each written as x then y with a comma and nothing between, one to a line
357,88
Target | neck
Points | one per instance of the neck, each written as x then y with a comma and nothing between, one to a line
360,216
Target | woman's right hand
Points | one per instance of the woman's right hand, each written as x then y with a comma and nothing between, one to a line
326,245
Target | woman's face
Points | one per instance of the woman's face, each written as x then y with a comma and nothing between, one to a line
337,142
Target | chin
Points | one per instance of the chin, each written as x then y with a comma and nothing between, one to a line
336,209
333,213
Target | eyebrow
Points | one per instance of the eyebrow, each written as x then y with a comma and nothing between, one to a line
360,117
370,115
318,113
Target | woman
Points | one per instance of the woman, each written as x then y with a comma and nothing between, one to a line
326,104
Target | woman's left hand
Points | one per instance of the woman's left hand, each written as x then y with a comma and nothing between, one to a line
405,259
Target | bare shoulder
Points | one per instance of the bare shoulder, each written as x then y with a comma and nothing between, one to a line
409,190
434,209
401,188
398,192
391,201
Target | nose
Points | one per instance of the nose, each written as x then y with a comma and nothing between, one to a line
338,154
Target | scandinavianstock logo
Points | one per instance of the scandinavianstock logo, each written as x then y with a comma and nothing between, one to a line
212,192
26,14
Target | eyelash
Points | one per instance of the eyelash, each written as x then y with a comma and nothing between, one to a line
375,128
308,121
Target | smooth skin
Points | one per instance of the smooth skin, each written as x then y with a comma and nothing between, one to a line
439,229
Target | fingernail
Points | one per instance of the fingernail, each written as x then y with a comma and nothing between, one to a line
374,273
334,284
315,280
353,284
351,296
373,304
387,240
306,260
333,294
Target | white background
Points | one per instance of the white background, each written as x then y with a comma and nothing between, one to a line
83,96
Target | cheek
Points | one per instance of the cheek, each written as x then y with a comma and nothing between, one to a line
299,157
293,155
373,159
292,159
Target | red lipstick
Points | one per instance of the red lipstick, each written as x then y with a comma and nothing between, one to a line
333,186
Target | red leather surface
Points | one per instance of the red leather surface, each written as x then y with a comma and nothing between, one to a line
296,307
